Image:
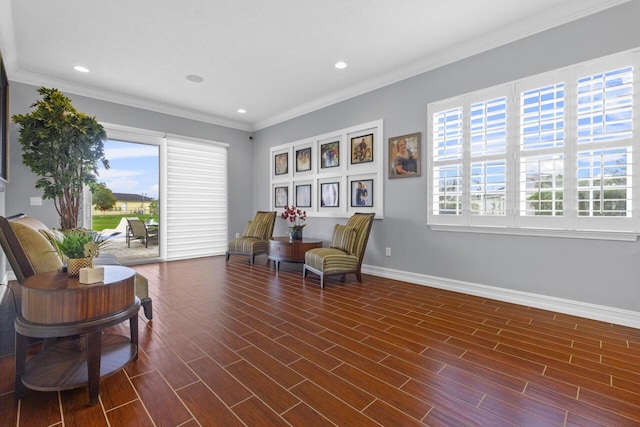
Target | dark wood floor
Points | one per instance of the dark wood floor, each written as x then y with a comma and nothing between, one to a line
239,345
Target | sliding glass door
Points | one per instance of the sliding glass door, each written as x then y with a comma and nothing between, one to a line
127,200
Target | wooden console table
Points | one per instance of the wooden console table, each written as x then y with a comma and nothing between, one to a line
283,249
55,305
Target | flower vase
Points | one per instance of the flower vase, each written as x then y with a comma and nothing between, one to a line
75,264
295,233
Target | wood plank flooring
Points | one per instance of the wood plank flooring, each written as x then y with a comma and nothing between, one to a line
239,345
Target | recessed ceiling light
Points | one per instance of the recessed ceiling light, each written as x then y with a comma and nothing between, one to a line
242,111
81,68
195,78
340,65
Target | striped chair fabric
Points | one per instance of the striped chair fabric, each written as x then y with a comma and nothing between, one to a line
252,246
332,261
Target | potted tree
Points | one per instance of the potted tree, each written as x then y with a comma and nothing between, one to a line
63,147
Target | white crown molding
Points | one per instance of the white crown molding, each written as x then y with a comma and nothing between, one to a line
576,308
128,100
496,39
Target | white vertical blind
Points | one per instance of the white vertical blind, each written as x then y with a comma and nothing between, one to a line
196,198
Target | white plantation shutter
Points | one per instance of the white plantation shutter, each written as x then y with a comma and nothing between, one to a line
548,152
196,198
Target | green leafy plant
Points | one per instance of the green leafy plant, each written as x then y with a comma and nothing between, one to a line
63,147
78,243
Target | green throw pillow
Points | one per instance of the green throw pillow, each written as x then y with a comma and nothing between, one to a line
344,237
255,229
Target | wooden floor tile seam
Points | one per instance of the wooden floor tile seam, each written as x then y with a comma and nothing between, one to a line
632,413
606,396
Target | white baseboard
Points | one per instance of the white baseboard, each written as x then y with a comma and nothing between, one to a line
576,308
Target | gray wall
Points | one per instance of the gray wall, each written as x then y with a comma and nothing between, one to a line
599,272
22,182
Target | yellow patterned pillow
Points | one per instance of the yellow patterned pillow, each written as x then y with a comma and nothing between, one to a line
344,237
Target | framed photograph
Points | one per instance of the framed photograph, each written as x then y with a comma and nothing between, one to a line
330,155
303,196
281,197
281,164
330,194
303,160
362,193
404,156
362,149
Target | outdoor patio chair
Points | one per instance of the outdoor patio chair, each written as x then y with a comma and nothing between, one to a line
137,230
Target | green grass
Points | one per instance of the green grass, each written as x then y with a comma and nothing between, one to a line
100,222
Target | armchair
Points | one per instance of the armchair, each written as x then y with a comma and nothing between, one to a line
26,242
255,238
137,230
346,251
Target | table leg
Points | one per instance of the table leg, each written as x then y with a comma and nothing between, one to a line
94,352
133,326
20,360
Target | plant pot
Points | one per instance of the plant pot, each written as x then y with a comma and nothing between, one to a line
295,234
75,264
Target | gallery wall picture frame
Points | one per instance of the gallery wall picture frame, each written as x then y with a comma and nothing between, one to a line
404,156
303,159
330,155
362,149
330,194
362,193
280,197
303,196
281,164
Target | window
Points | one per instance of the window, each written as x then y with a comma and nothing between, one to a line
551,152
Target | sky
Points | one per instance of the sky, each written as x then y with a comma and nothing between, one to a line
134,168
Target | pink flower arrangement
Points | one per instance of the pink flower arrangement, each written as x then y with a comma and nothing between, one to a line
295,216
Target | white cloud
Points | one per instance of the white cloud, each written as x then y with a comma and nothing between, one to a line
132,152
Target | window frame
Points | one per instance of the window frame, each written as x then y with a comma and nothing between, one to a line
569,224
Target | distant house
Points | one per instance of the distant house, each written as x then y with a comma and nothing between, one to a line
136,204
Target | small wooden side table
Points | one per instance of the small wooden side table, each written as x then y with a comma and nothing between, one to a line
283,249
55,305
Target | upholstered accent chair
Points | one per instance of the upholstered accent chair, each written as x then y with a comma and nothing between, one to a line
345,252
255,238
27,243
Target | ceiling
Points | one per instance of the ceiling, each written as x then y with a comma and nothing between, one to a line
273,58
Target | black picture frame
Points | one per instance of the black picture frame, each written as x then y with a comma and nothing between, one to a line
303,159
4,121
330,155
281,164
362,193
303,196
280,197
330,195
362,149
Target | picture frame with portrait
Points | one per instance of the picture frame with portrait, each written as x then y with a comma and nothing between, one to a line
330,194
362,149
281,164
404,156
330,155
280,197
303,196
303,160
362,193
